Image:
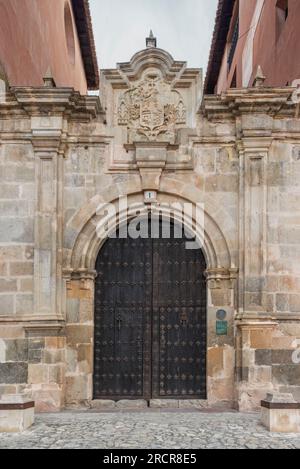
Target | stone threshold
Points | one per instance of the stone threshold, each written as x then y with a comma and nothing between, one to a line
148,410
152,406
141,404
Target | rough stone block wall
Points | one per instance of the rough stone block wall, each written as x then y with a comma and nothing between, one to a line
17,202
79,342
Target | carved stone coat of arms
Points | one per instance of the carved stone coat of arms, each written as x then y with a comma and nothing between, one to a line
151,110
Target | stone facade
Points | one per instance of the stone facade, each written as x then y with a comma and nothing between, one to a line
64,155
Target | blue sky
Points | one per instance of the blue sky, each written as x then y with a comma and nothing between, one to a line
182,27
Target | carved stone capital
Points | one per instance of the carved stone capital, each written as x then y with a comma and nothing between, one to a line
80,274
47,147
221,278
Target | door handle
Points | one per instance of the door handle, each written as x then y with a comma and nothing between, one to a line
119,321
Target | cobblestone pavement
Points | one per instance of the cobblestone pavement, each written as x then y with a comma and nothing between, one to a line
146,430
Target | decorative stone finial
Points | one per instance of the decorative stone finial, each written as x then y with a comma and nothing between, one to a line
259,78
151,40
49,81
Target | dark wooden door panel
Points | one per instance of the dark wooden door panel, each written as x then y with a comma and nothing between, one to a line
180,358
119,353
150,320
179,320
123,296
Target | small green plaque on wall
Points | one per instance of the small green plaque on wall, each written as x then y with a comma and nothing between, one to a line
222,328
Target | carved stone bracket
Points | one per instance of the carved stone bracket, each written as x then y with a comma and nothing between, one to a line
151,161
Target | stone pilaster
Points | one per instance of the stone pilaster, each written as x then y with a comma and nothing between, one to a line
254,341
253,224
221,287
48,227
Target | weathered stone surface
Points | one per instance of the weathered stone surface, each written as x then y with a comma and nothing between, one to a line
164,404
294,302
7,389
56,374
9,191
85,354
11,253
86,311
136,404
24,304
243,373
103,405
12,332
7,305
18,269
9,208
286,374
215,361
294,390
8,285
76,389
48,398
261,339
73,310
26,285
55,342
17,350
280,357
13,373
35,348
37,374
14,230
260,375
263,357
53,356
36,344
3,269
193,404
19,174
79,335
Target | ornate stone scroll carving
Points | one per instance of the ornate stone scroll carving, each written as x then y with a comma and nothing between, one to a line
151,110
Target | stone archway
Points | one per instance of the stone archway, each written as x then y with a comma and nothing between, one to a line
86,234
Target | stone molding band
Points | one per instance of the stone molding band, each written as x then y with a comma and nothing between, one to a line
278,406
23,406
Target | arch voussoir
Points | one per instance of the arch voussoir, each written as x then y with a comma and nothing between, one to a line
87,230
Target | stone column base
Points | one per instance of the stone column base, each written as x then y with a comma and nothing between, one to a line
16,414
281,414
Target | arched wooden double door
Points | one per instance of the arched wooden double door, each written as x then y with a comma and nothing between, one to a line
150,319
